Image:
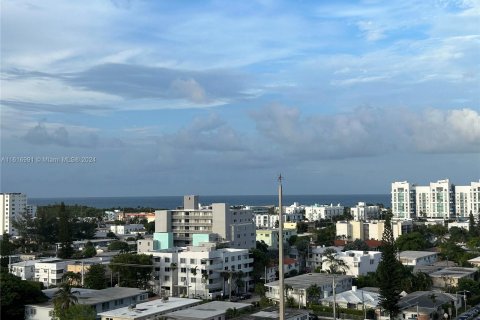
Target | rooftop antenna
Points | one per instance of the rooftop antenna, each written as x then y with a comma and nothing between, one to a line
280,249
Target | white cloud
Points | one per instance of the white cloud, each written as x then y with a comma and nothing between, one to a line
371,31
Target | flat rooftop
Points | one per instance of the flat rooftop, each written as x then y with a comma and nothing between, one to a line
455,272
272,313
306,280
154,307
408,254
208,310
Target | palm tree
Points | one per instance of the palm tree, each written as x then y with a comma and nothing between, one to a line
313,293
173,267
225,275
194,273
63,299
335,265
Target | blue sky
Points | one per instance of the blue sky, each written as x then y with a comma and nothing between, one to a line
219,97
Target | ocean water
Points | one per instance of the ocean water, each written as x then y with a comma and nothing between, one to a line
172,202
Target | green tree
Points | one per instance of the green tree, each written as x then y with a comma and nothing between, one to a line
80,312
412,241
356,245
302,227
261,259
469,285
6,249
27,232
64,233
89,250
134,269
72,278
326,236
194,272
389,272
16,293
95,277
63,299
472,230
313,293
119,245
458,234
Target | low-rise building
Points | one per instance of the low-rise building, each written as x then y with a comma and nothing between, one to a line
318,212
449,277
358,263
270,236
417,258
201,270
100,300
150,309
215,310
315,254
475,261
299,284
50,271
425,304
362,211
273,314
354,299
459,224
127,228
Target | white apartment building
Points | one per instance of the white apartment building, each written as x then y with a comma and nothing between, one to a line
24,269
295,208
174,270
403,200
50,271
127,228
417,258
232,224
12,205
467,199
363,212
316,212
358,263
438,200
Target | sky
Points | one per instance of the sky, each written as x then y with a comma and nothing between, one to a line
153,98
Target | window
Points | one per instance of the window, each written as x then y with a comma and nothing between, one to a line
226,259
166,278
193,261
167,259
182,260
183,270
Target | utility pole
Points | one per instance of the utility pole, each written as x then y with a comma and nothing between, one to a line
334,298
280,249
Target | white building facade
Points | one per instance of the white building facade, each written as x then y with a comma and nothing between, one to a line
202,271
50,272
438,200
317,212
358,263
363,212
12,205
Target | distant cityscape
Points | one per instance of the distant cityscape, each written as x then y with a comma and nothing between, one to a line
223,251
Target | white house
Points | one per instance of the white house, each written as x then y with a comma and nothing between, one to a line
315,254
417,258
354,299
215,310
298,286
357,262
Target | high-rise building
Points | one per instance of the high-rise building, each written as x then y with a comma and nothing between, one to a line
230,224
12,205
438,200
403,200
